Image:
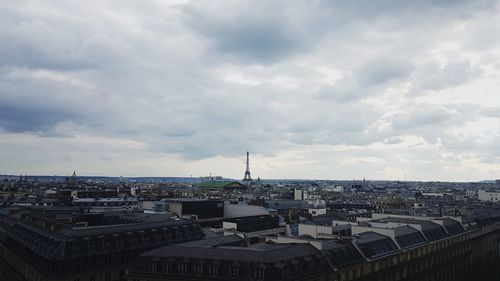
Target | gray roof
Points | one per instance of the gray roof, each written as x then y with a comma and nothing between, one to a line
374,245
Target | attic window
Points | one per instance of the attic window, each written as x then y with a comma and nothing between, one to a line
167,267
213,270
259,273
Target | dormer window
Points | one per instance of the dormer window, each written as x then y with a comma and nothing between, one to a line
258,274
234,271
198,269
182,267
142,236
154,266
116,239
167,267
213,270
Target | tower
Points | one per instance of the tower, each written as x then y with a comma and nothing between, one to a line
247,176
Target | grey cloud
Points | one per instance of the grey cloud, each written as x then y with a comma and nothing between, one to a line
382,70
424,115
491,111
368,79
25,118
432,77
431,121
156,75
367,9
393,140
260,32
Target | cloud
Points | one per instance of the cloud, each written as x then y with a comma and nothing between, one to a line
368,79
261,32
183,86
432,77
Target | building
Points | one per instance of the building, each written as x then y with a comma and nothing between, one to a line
60,244
262,261
383,249
253,227
299,194
489,196
99,205
206,212
221,185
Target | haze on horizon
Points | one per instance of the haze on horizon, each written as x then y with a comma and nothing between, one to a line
313,89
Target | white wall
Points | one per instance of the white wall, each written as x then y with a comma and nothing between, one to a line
314,230
488,196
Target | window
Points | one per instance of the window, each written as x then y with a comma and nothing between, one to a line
259,274
198,269
182,267
234,271
116,240
154,266
213,270
167,267
142,237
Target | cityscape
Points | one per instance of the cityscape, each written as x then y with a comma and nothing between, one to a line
309,140
215,228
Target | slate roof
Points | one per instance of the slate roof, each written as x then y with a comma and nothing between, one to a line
269,252
374,245
258,253
453,227
408,237
221,184
432,231
53,244
214,241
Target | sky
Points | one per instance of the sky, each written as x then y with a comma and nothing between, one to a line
313,89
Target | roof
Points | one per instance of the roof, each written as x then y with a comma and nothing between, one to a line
259,253
408,237
219,240
374,245
431,230
52,243
221,184
452,226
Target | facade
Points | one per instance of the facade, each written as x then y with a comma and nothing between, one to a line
222,185
64,244
489,196
261,261
299,194
206,212
98,205
410,249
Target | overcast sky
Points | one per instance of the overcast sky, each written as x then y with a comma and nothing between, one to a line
313,89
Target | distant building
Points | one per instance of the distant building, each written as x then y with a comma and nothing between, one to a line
299,194
211,178
221,185
243,210
206,212
98,205
488,196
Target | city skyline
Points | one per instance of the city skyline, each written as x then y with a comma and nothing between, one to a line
314,90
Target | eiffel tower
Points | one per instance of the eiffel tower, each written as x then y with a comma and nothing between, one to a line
247,176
